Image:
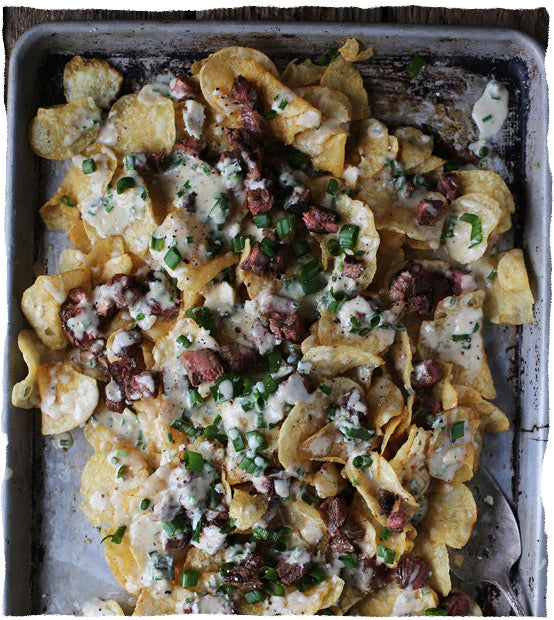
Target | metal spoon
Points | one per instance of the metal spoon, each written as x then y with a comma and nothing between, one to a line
495,543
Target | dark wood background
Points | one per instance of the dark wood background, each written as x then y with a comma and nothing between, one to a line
533,22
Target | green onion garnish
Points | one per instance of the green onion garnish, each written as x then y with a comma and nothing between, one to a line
184,341
144,504
436,611
492,275
262,220
416,65
286,226
256,440
116,536
332,187
172,257
476,228
385,533
89,166
362,461
349,560
65,200
157,243
301,248
326,389
194,461
236,437
486,118
189,578
457,430
348,236
255,596
271,114
124,184
268,247
465,337
204,318
387,554
274,361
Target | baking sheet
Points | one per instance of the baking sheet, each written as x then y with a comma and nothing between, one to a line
53,551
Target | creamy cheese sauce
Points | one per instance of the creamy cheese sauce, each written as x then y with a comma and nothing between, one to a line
489,113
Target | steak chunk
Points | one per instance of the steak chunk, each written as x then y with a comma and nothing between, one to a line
417,289
412,573
352,267
120,291
260,264
290,571
429,212
299,200
79,320
245,575
426,374
333,511
239,358
142,384
448,185
201,366
320,220
456,604
286,326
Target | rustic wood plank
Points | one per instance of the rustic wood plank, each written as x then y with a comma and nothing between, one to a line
534,22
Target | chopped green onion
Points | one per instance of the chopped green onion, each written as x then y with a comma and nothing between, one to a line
268,247
349,560
89,166
262,220
236,437
275,589
385,533
457,430
270,386
144,504
178,524
194,461
65,200
196,532
274,361
387,554
355,432
183,189
416,65
268,573
436,611
476,228
271,114
310,270
204,318
255,596
465,337
256,440
172,257
139,316
326,389
286,226
328,57
189,578
157,243
295,158
213,432
260,533
486,118
116,536
129,161
325,612
255,465
124,183
122,471
301,248
334,247
362,461
348,236
206,169
186,427
239,242
332,187
452,164
184,341
316,575
484,151
225,568
492,275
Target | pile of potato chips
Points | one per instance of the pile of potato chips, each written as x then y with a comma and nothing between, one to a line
358,168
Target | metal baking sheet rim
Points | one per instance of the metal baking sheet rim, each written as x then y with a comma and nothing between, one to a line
448,40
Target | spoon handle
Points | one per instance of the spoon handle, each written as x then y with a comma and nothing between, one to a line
506,588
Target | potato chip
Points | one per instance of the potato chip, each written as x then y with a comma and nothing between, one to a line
436,555
332,361
384,401
303,421
474,217
455,335
350,51
492,419
70,258
25,393
414,147
373,147
42,301
79,238
98,606
428,166
247,509
61,131
393,601
508,296
91,77
344,77
327,480
300,74
451,514
490,183
410,463
395,211
67,397
136,125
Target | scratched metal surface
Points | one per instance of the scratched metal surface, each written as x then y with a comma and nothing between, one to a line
53,551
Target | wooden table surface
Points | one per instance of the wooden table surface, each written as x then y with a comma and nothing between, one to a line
533,22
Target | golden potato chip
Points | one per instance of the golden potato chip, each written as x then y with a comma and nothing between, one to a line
71,258
122,563
332,361
25,393
453,447
436,555
91,77
304,519
42,301
61,131
395,211
384,401
451,514
327,480
100,607
378,476
247,509
508,296
344,77
304,420
67,397
373,147
410,462
429,165
492,419
300,74
350,51
490,183
79,238
455,335
393,601
136,124
414,147
473,218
